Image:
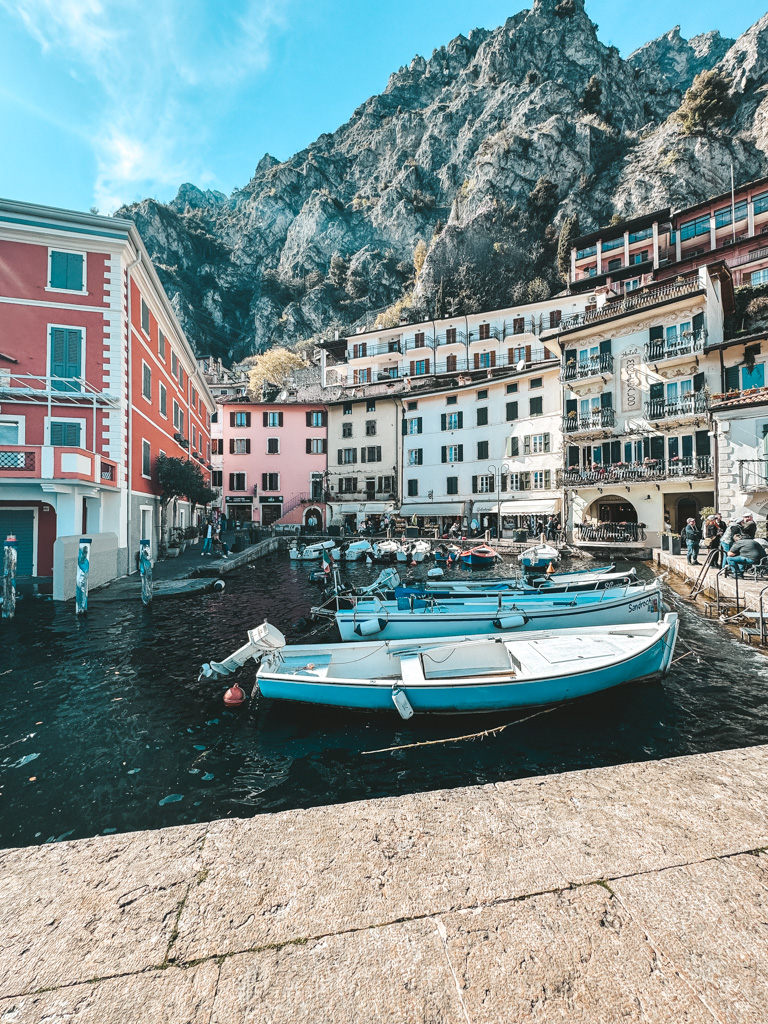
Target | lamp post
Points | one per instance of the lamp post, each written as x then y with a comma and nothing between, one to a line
497,472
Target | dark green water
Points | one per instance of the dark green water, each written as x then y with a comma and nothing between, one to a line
105,727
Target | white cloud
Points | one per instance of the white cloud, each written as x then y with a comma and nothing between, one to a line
159,72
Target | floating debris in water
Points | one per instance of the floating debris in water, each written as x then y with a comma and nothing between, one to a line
172,799
24,760
132,771
199,746
194,771
107,831
213,721
207,777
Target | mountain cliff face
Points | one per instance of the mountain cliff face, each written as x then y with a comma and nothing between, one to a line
447,191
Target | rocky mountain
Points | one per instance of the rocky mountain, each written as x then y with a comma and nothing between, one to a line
448,190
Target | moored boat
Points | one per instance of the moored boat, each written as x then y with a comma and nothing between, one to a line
539,557
466,675
481,554
309,552
449,590
420,549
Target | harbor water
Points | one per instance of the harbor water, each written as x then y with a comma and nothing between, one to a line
105,726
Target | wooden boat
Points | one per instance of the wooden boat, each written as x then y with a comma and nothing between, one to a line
463,676
539,557
481,554
309,552
414,617
447,554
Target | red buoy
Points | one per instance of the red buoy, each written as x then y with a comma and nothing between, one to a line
234,696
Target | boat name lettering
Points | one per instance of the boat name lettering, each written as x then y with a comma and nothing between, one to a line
650,604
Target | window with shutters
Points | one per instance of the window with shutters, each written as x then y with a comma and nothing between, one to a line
144,317
452,485
450,336
370,428
217,478
385,484
176,412
274,419
66,271
451,364
146,459
361,377
317,445
174,364
240,419
453,453
347,409
146,381
536,382
360,351
370,454
163,400
539,443
273,446
239,445
416,457
485,331
420,367
67,358
346,430
511,410
270,481
542,480
237,481
536,405
161,345
454,421
418,339
65,433
482,416
482,449
317,419
194,438
348,485
347,455
484,359
415,425
513,447
485,484
512,388
413,488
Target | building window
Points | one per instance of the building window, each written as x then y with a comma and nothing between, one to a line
541,480
347,455
316,419
370,405
536,382
371,454
144,317
615,264
451,364
482,484
370,428
450,336
452,485
451,400
482,394
759,277
485,332
273,446
317,445
416,457
146,459
482,416
639,257
174,364
418,339
273,419
482,449
64,433
420,367
413,488
385,484
361,376
452,453
346,430
161,345
348,485
723,216
240,446
216,478
536,444
67,271
194,438
536,406
512,409
66,358
146,381
163,401
512,388
270,481
411,406
613,243
691,228
237,481
415,425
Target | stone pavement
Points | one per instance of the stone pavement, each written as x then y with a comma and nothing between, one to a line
636,893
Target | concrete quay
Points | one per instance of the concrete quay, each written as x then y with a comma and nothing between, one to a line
636,893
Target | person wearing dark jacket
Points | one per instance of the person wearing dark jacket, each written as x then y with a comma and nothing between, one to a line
743,553
749,527
692,537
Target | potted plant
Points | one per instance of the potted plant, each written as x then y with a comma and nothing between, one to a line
674,543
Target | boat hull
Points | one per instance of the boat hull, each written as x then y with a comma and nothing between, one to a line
468,696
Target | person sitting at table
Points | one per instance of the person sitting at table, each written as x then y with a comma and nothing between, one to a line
744,552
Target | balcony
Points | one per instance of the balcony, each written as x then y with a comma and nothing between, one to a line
609,533
695,467
753,475
587,369
596,420
34,389
694,403
675,346
45,462
456,338
642,298
367,350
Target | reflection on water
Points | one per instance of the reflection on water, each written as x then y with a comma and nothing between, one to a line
105,727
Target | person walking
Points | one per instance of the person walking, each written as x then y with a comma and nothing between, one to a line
692,538
208,539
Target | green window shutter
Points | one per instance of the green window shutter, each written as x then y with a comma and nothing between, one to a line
514,446
547,478
58,270
461,420
573,456
57,433
461,453
74,341
404,429
511,410
657,391
443,454
527,444
605,347
58,352
75,272
474,485
420,457
443,421
699,379
65,357
702,442
606,400
419,421
673,447
656,334
687,446
657,448
731,378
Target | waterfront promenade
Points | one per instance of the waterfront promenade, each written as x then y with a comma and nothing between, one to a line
636,893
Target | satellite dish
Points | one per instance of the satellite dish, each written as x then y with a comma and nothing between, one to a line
521,365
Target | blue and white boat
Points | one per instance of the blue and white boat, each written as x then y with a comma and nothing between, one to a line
463,676
414,617
555,584
539,557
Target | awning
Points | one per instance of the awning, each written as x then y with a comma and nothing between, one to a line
530,506
434,508
364,508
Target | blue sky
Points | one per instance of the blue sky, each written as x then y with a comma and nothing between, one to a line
106,101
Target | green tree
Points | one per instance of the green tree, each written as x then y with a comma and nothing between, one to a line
178,478
707,103
338,270
568,232
592,95
543,195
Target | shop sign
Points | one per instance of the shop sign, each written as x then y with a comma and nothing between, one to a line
240,501
271,500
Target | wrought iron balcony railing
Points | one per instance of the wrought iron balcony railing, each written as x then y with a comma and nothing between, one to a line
592,367
753,474
683,344
690,404
610,533
594,420
650,469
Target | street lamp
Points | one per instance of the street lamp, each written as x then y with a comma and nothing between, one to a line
498,472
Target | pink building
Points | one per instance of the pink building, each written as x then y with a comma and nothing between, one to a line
275,459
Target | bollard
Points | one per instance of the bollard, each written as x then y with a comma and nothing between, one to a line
81,578
9,578
145,568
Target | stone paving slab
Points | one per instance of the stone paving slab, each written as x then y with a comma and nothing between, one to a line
636,893
78,910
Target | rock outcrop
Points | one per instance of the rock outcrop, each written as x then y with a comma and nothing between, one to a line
478,153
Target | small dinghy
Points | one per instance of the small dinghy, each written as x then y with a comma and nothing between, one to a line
496,673
309,552
481,554
539,557
420,550
356,551
447,554
385,550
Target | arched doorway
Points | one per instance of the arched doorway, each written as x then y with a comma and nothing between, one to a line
313,518
610,519
687,508
611,509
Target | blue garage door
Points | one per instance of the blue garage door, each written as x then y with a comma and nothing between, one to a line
20,522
